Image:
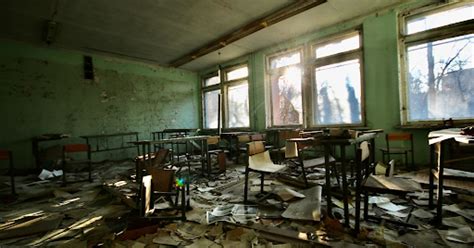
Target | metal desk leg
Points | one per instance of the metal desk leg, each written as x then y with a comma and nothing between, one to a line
439,209
431,177
345,191
358,191
328,180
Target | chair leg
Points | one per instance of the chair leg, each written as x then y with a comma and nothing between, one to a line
304,175
64,172
366,205
183,204
90,171
12,176
262,180
246,185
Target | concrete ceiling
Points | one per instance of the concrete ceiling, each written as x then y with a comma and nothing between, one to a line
164,30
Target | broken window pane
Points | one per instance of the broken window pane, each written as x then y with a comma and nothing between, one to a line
439,19
346,44
338,91
286,97
212,81
237,73
440,78
210,111
238,105
285,60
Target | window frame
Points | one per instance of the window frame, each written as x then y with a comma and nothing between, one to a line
333,59
204,90
431,35
268,74
223,86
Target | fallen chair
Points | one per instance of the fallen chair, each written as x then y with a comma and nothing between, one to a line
162,184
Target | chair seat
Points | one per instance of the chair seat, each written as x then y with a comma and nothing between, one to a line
316,161
261,162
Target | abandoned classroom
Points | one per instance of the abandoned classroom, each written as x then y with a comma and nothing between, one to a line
237,123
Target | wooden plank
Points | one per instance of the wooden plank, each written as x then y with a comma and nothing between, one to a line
36,225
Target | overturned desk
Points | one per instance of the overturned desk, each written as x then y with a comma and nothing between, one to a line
438,141
330,142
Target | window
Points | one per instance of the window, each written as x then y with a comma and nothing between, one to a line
439,65
232,85
337,89
210,100
237,97
285,76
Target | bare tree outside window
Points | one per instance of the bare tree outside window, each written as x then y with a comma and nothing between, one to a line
440,79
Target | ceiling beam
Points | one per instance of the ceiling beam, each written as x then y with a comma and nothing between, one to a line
248,29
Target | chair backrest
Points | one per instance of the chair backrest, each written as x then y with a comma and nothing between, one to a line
69,148
5,155
162,179
243,138
257,137
213,140
399,137
255,147
160,157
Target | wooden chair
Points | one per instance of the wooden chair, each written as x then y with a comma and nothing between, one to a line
154,159
214,150
162,183
399,144
295,152
367,183
242,141
7,156
259,161
75,149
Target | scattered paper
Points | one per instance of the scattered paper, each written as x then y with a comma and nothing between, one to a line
378,199
422,214
222,210
287,194
45,174
421,202
462,235
57,173
398,214
463,212
457,221
391,207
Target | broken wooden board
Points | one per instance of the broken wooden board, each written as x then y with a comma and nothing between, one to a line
308,208
392,183
38,224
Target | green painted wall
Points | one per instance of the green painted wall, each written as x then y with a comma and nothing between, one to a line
42,90
381,72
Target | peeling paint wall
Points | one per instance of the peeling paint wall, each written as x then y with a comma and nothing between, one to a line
43,90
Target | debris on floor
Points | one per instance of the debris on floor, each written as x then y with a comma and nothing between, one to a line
105,212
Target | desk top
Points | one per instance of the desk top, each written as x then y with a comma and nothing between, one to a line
108,135
176,130
349,141
170,140
450,133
